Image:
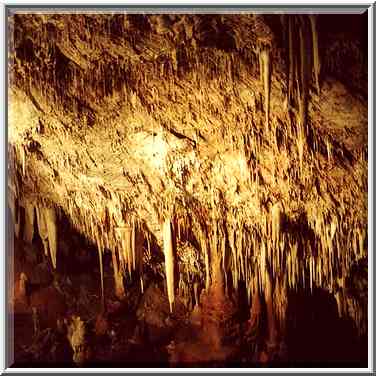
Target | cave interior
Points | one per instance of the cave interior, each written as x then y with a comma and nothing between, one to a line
187,189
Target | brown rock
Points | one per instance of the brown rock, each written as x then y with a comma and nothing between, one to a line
50,305
101,325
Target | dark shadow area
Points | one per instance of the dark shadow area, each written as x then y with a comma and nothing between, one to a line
318,337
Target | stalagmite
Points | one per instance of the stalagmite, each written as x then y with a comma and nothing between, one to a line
76,336
29,222
50,218
168,249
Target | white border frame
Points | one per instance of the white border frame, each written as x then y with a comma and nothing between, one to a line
278,3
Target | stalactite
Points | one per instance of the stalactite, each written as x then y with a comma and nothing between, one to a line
311,273
139,251
280,303
127,244
134,245
168,249
217,285
23,160
265,71
205,250
272,329
118,277
263,264
339,301
261,64
276,219
42,228
320,273
358,243
50,218
291,58
223,253
100,256
239,247
315,44
303,107
29,222
300,140
16,214
254,322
